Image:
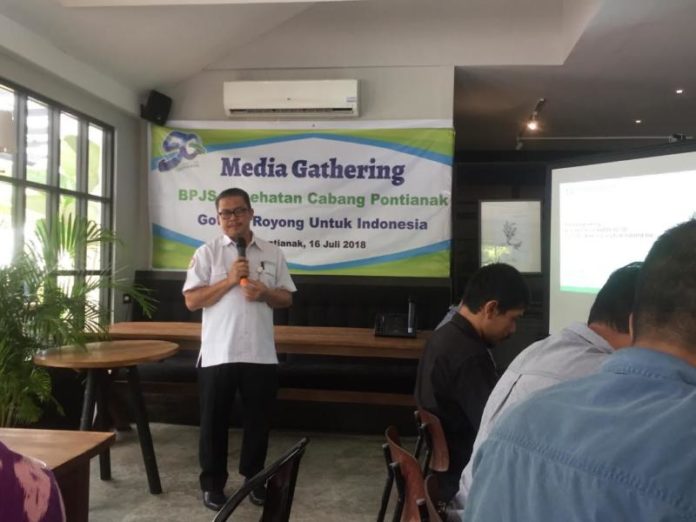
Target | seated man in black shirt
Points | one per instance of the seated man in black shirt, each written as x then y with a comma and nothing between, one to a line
456,372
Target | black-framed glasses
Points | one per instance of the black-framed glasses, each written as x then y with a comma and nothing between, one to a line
236,212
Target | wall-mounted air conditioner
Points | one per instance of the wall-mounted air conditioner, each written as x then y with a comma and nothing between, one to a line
292,99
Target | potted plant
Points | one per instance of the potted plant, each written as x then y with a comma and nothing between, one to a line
43,307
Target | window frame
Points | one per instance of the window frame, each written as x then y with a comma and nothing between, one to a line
20,184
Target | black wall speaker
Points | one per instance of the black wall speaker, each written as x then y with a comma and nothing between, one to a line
157,108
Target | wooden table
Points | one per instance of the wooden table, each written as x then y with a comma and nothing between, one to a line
308,340
67,454
97,359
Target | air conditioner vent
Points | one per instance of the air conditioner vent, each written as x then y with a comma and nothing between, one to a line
317,98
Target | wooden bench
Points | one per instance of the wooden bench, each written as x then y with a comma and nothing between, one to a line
295,341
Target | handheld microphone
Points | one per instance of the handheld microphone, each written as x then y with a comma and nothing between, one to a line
241,252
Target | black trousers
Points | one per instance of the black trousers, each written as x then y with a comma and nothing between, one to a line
258,386
460,446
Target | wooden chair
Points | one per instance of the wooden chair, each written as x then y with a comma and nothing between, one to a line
432,498
280,478
409,483
386,493
420,429
436,451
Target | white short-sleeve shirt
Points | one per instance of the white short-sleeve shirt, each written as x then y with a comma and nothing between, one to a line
234,329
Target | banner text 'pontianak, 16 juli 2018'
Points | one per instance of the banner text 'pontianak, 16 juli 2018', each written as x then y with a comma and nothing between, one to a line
337,201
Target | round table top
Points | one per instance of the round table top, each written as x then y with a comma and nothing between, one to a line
106,354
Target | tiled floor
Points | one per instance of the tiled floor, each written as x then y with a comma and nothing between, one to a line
341,478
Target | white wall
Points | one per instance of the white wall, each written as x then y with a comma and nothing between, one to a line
386,93
130,217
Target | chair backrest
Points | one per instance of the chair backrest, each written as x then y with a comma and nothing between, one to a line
420,429
436,508
437,453
409,470
280,478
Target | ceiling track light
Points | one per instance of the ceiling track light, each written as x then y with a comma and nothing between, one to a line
537,108
532,122
672,138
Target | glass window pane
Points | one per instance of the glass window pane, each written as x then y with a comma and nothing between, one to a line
89,291
94,213
68,207
7,97
95,313
69,129
6,163
93,298
66,284
36,210
94,157
6,230
7,103
37,141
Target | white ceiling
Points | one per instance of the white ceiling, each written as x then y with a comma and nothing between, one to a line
140,3
599,64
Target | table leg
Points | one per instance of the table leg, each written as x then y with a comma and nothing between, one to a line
74,488
138,405
102,421
94,392
88,402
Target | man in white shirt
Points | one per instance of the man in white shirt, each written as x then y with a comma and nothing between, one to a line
574,352
237,279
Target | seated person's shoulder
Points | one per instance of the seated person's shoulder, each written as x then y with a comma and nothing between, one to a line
544,408
40,497
446,338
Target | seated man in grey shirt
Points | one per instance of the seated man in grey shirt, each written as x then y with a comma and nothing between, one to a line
574,352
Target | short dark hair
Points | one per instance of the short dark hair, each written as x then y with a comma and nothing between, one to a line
496,282
232,193
614,302
665,304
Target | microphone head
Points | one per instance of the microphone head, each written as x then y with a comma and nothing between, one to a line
241,247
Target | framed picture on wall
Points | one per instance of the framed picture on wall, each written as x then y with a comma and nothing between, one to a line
510,232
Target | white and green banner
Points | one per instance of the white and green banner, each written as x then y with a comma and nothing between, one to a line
348,201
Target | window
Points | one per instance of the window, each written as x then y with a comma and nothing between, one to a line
37,141
62,165
6,233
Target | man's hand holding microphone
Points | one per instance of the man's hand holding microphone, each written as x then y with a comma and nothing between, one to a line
239,274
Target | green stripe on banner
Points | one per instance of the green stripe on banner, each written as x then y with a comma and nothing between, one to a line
434,140
172,255
435,264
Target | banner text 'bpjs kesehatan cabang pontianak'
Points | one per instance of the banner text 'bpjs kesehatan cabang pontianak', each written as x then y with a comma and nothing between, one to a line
340,201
